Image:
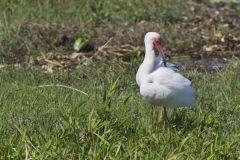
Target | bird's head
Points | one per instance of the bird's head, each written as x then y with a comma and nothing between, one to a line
153,39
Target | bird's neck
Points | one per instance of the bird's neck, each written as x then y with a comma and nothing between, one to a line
149,58
149,54
148,62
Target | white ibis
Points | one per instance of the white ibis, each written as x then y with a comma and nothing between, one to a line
159,82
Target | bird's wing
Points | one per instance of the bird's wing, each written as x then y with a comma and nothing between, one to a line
159,63
180,91
168,77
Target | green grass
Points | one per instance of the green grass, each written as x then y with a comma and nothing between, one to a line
113,122
72,11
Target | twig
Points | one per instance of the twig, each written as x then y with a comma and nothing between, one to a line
105,45
59,85
56,63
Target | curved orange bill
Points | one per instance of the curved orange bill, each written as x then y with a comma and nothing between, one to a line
161,51
158,47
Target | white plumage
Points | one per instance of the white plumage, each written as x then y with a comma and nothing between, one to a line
160,84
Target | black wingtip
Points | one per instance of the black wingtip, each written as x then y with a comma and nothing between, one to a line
164,62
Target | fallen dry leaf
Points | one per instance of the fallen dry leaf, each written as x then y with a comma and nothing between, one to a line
223,39
2,66
210,48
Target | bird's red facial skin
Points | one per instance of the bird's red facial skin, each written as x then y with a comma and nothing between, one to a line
157,46
156,41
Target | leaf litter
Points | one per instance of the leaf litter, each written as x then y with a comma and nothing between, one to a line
211,31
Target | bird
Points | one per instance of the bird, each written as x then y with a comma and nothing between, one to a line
160,82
